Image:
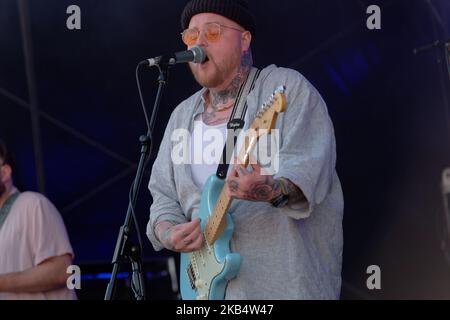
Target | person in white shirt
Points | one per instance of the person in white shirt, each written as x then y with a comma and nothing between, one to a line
35,251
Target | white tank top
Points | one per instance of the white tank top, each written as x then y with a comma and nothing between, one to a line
206,145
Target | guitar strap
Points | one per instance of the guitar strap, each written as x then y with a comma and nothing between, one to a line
236,122
4,210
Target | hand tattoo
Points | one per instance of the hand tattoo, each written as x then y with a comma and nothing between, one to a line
164,235
234,186
165,238
264,190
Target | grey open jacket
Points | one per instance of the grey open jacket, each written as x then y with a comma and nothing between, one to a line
294,252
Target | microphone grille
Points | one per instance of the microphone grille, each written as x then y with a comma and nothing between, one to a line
199,54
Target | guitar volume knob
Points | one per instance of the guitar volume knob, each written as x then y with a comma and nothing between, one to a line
199,283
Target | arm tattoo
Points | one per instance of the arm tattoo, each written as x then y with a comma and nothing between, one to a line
295,194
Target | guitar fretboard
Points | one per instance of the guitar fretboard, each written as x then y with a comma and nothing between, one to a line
265,121
217,223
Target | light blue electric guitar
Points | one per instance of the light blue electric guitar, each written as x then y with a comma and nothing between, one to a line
204,274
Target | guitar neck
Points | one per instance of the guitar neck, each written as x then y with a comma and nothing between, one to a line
264,123
217,223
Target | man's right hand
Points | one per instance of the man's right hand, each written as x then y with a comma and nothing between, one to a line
184,237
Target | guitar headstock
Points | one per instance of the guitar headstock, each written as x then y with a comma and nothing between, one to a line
267,116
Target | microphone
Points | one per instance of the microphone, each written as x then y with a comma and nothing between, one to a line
435,44
194,54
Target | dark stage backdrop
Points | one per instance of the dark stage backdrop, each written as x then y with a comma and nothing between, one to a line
389,109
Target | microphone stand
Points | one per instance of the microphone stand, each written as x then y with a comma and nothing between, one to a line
125,251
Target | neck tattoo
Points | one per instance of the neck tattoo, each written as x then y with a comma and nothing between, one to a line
224,99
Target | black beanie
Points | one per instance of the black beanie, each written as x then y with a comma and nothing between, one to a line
236,10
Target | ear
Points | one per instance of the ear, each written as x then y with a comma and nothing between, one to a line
246,40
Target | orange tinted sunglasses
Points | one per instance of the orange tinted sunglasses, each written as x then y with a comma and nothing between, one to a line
212,31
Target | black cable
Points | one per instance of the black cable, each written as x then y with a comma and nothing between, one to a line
130,194
133,214
133,186
146,147
142,99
